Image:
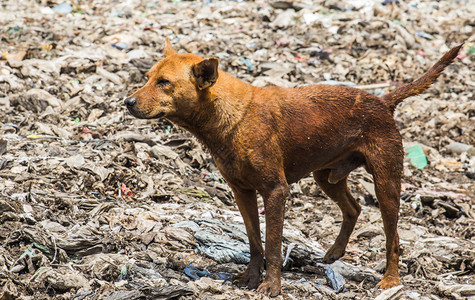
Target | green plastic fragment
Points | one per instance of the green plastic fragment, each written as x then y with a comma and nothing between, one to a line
417,156
471,50
123,270
30,251
41,247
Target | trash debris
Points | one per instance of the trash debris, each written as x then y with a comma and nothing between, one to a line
95,203
337,281
125,191
3,146
222,242
459,148
417,156
63,8
392,293
457,290
194,273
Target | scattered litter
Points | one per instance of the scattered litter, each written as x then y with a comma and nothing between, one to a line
459,148
336,279
125,191
221,245
195,273
3,146
392,293
63,8
417,156
95,203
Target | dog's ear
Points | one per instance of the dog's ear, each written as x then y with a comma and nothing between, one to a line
168,50
206,72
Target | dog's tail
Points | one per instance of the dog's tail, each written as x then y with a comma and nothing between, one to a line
420,85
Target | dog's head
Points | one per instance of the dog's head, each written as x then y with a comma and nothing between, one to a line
176,85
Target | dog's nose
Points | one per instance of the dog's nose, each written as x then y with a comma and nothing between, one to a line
130,101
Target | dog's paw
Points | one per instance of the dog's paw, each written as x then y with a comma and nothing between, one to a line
270,287
333,254
388,282
249,278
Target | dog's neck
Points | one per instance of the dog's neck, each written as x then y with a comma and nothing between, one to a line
223,107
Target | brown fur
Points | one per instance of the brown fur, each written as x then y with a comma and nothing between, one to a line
264,139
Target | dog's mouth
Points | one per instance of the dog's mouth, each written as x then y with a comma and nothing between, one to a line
159,115
142,115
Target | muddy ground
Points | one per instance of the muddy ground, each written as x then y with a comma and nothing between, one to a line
95,204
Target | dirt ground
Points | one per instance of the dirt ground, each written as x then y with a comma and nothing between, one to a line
95,204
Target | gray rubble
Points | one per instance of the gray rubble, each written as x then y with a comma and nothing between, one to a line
95,204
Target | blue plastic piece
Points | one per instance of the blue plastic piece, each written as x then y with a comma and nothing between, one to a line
336,279
248,63
194,273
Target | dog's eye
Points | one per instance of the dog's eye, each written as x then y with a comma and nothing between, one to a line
163,82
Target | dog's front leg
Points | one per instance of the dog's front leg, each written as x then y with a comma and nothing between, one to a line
247,203
274,204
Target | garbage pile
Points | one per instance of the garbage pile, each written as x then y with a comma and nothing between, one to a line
95,204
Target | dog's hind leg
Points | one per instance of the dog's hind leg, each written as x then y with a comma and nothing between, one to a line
385,163
350,209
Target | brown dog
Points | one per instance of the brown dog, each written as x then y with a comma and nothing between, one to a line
264,139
